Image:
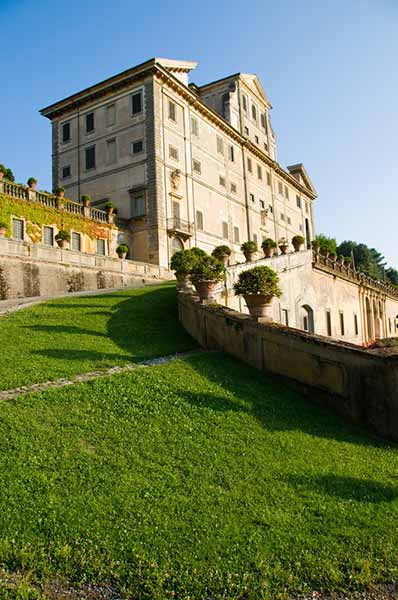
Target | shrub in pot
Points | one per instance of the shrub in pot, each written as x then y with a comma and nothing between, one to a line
32,183
207,273
283,245
222,253
110,208
182,263
86,200
122,250
258,286
315,244
249,249
60,192
62,238
3,229
268,247
297,242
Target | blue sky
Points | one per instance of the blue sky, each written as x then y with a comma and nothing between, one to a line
328,67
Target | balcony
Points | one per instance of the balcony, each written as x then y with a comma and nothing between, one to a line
180,228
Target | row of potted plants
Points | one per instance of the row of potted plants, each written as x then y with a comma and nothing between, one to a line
329,254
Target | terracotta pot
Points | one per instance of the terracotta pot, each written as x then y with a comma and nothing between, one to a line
283,249
183,283
60,194
2,232
297,246
259,305
32,186
122,255
86,203
249,256
110,210
62,243
207,290
269,252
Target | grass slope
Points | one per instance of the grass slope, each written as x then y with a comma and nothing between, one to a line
200,479
75,335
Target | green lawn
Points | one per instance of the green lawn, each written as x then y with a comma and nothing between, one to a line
75,335
201,479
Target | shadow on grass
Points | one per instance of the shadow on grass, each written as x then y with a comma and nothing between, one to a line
83,355
69,329
346,488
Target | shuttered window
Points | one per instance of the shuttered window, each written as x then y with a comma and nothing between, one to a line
225,230
101,247
76,241
48,236
199,219
17,229
236,234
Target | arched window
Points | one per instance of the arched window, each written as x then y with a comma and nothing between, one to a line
176,245
307,318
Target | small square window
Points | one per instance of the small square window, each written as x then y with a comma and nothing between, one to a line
136,103
137,147
66,132
101,247
18,229
233,188
221,180
48,236
173,152
282,217
197,167
172,111
66,172
90,122
76,241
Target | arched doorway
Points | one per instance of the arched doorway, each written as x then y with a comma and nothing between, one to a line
307,318
176,245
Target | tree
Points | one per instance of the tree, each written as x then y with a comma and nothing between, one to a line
392,276
8,174
326,243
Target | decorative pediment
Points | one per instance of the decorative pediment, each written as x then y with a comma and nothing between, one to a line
298,171
253,83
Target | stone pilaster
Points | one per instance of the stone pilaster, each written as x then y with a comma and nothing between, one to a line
55,154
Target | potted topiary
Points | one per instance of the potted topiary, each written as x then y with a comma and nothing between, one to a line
182,263
249,249
60,192
32,183
122,250
268,247
222,253
207,273
283,245
3,229
258,286
86,200
62,238
315,244
110,208
297,242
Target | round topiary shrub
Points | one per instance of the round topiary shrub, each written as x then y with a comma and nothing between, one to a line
63,236
249,247
259,280
122,249
221,251
208,268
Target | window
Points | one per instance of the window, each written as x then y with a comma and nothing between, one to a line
195,126
252,198
298,201
138,208
199,220
137,147
48,236
172,111
236,234
225,104
66,172
231,153
268,178
244,103
256,139
197,167
286,192
101,247
76,241
111,151
225,230
220,145
136,103
280,188
289,221
110,115
262,204
221,180
263,120
271,210
255,238
266,146
173,152
246,131
285,317
65,133
259,172
233,188
329,323
17,229
282,217
90,158
342,323
306,208
356,328
90,122
254,113
249,165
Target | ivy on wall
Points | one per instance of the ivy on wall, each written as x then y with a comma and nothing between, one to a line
37,215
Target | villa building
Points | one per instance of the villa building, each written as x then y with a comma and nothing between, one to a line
185,165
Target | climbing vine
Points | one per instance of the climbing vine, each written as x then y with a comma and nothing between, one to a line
37,215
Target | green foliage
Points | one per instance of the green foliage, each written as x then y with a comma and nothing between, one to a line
8,174
63,235
249,247
259,280
3,225
86,198
31,181
298,239
392,276
367,260
60,190
221,251
109,205
183,261
208,268
122,249
268,243
327,244
283,242
73,335
315,244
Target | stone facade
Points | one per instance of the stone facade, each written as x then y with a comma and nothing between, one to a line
185,165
